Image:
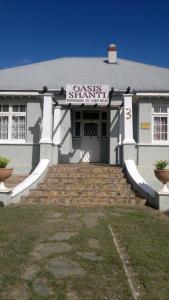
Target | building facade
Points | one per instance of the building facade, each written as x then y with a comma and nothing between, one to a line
73,110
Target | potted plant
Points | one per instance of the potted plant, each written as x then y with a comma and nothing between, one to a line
162,174
4,172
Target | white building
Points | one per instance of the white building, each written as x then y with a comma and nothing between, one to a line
71,110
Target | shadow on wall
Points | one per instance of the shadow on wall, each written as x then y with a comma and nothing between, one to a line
36,133
67,158
114,135
63,158
66,143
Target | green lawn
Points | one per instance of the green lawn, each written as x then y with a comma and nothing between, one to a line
142,233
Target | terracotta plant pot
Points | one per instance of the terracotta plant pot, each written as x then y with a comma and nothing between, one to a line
4,174
163,176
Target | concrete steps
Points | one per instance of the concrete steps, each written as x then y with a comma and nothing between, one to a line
83,185
88,180
84,202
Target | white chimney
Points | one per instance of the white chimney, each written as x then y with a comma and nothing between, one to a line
112,54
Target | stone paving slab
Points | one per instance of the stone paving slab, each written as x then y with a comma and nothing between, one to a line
61,268
31,272
17,292
47,249
62,236
40,286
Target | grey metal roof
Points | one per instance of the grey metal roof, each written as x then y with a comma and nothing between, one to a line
59,72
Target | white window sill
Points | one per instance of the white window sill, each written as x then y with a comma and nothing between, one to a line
12,142
160,142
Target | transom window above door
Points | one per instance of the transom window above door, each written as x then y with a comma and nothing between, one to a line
12,122
91,115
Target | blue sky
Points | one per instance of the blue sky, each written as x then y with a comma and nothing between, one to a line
37,30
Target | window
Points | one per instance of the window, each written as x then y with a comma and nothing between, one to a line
77,124
160,123
104,115
103,129
77,129
12,122
91,115
77,115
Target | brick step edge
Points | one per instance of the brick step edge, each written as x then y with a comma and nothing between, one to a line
85,204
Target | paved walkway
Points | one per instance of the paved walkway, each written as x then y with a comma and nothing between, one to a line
73,261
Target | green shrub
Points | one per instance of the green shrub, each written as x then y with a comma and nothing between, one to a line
4,161
161,164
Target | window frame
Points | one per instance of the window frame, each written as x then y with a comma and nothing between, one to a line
160,114
77,120
11,114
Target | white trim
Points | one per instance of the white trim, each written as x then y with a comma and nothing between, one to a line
128,120
154,144
10,114
156,114
47,121
138,180
24,94
12,142
57,125
46,141
152,94
31,179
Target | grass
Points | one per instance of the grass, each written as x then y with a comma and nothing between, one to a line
143,235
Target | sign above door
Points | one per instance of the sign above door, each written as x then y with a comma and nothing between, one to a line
87,94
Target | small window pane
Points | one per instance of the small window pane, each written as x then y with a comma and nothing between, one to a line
5,108
95,116
15,108
14,127
90,115
4,128
22,127
104,115
160,128
22,108
164,109
157,109
104,129
18,127
164,136
86,115
77,115
77,129
160,109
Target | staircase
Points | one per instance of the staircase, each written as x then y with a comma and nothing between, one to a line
83,185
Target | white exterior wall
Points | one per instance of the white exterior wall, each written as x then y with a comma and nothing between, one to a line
24,156
149,151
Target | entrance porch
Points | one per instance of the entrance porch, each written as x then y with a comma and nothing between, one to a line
90,135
